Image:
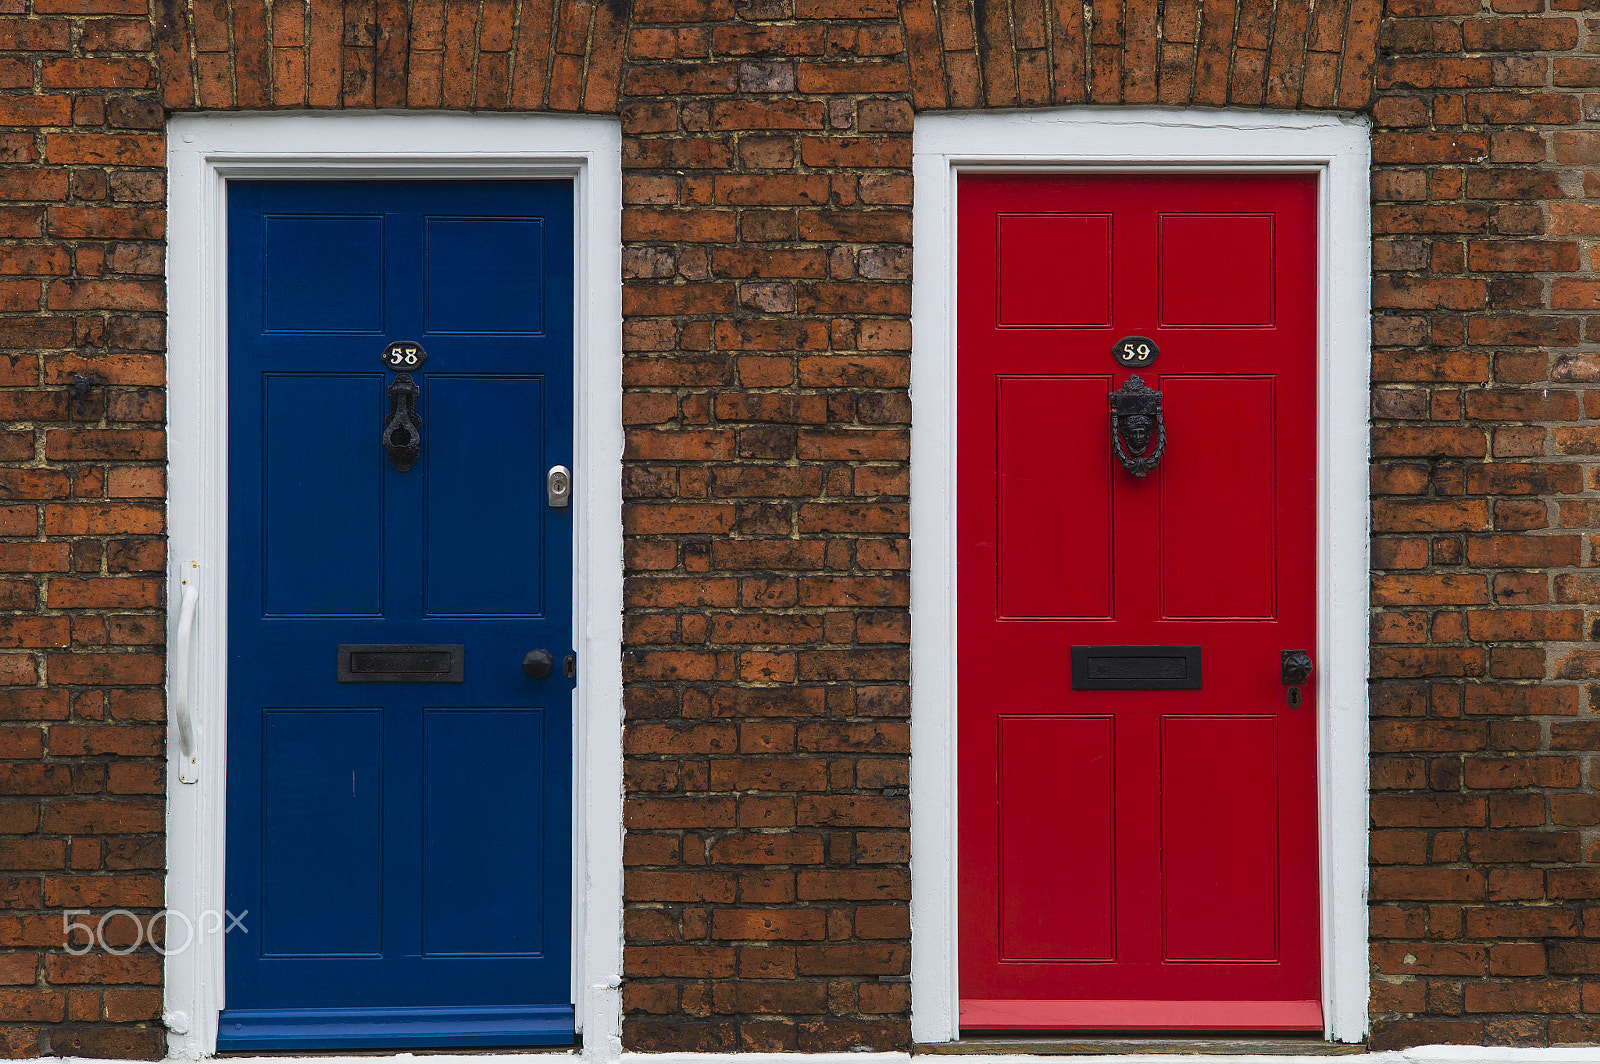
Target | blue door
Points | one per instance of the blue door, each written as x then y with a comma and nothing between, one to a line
399,776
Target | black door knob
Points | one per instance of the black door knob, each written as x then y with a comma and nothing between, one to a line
538,663
1296,666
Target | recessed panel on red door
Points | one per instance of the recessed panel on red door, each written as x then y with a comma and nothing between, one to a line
1218,535
1137,853
1219,838
1037,285
1055,525
1217,268
1060,767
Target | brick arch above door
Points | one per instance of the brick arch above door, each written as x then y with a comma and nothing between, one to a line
502,55
1280,54
568,55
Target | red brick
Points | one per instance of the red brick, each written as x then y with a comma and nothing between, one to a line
778,925
1430,515
103,73
114,149
857,960
1536,997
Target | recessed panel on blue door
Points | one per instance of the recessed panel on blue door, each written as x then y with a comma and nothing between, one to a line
463,297
300,251
322,838
476,881
399,831
322,499
485,495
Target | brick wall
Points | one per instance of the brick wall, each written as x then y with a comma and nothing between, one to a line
1483,881
81,771
767,265
767,147
767,223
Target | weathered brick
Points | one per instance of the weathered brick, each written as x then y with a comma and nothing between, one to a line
767,227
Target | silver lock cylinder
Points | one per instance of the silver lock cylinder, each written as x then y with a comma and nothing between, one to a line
558,486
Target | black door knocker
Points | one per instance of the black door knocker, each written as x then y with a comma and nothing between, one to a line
402,433
1135,418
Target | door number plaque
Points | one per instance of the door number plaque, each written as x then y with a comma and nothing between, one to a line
404,354
1135,351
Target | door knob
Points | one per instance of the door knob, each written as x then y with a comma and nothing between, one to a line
1296,666
1296,670
538,663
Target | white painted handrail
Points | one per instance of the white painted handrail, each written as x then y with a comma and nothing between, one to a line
189,769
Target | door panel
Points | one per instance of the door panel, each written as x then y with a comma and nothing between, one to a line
298,250
477,508
1044,512
1219,839
321,496
475,885
1140,858
321,810
402,849
1198,290
1037,285
462,297
1060,768
1218,534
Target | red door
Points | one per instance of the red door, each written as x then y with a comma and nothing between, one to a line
1138,827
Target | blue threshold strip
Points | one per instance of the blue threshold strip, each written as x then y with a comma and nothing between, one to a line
407,1028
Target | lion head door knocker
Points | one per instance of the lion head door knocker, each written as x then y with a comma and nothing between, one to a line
1135,418
402,433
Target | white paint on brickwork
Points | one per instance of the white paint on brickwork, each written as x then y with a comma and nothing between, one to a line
203,153
1160,140
1493,1055
1416,1055
766,1058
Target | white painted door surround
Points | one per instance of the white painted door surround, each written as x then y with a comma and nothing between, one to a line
1163,140
203,153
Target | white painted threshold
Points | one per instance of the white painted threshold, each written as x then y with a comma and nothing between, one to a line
1440,1054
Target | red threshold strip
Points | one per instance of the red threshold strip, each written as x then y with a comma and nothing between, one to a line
1141,1015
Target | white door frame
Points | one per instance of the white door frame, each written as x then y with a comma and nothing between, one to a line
1159,140
203,153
